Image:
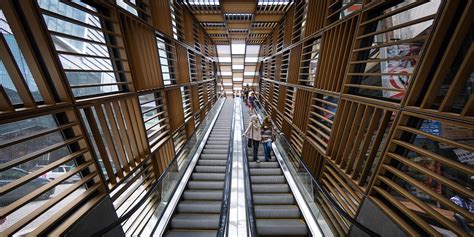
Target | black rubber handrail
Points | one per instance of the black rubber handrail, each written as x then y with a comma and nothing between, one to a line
326,195
248,186
131,211
224,217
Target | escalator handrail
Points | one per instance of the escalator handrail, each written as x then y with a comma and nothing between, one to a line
224,216
151,191
324,193
248,186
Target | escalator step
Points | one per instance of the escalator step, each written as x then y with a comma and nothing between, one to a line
221,133
267,171
223,146
213,156
209,169
195,221
289,227
208,176
263,164
184,233
212,162
199,207
208,185
270,188
275,199
277,179
215,151
202,195
217,142
219,139
277,211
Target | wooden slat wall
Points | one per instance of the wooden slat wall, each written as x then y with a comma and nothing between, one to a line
141,46
335,55
188,27
364,135
175,108
303,102
161,16
117,137
312,158
163,157
317,11
182,64
288,27
294,63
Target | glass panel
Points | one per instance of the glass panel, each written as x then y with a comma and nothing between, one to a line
127,6
465,91
27,127
82,48
165,54
5,79
392,50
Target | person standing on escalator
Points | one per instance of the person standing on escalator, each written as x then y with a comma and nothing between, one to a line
268,134
251,100
253,135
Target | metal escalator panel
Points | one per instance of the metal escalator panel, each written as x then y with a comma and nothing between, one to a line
199,209
276,210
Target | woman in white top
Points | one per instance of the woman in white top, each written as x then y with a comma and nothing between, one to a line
253,133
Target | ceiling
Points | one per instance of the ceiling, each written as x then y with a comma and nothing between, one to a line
238,28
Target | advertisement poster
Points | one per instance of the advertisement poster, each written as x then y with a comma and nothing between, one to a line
398,68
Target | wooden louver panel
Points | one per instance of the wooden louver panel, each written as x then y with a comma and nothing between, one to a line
155,117
321,120
141,42
437,150
309,62
299,20
93,61
444,85
384,60
290,99
44,143
186,98
167,53
359,136
116,130
335,55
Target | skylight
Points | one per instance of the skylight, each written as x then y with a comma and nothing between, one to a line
238,16
251,59
203,2
238,66
225,59
238,48
273,2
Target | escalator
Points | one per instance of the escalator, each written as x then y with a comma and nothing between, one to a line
276,210
199,209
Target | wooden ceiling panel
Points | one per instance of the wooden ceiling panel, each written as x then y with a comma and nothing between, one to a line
268,17
239,22
210,17
261,31
217,31
248,8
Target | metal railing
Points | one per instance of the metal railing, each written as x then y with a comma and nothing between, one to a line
282,142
